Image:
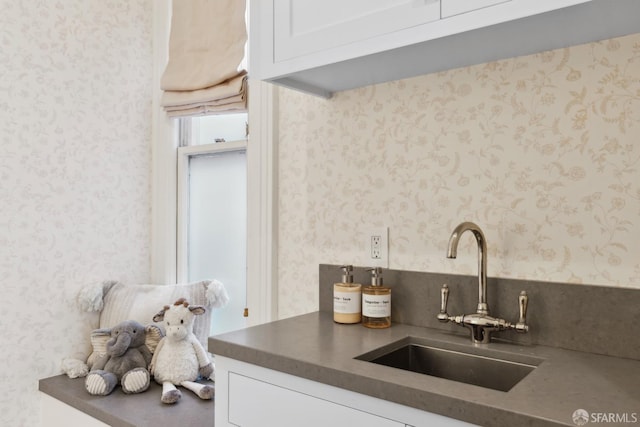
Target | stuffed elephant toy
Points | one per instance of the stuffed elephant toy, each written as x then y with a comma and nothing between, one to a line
125,361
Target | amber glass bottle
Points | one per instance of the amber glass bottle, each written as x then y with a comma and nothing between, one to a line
376,302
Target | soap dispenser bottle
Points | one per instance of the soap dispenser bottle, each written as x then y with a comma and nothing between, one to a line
376,302
347,298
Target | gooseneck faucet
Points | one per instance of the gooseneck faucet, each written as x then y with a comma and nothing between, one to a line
452,252
480,323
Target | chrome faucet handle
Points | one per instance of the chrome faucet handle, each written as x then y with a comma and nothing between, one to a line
444,298
523,302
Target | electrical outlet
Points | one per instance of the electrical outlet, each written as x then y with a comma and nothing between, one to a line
378,247
376,252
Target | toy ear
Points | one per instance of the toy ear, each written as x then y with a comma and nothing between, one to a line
99,338
153,335
159,317
197,309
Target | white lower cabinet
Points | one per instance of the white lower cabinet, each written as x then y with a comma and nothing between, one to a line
250,396
254,403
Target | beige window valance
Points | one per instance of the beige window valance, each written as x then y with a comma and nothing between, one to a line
206,47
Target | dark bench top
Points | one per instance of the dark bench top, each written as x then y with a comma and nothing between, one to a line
131,410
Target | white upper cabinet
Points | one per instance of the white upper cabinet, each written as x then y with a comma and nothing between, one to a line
302,27
325,46
456,7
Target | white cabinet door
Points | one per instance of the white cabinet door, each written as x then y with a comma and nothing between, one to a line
303,27
248,395
254,403
456,7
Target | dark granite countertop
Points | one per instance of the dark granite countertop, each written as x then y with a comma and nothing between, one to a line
131,410
312,346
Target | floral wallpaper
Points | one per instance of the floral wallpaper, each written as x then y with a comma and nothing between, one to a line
541,151
75,95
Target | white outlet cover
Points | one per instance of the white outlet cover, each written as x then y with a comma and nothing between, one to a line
383,261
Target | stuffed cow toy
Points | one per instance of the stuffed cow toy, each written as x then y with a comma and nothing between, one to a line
180,358
125,361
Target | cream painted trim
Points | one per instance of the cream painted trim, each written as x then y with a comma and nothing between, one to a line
262,247
184,154
163,160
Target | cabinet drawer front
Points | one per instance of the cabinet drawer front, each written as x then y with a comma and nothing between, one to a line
254,403
303,27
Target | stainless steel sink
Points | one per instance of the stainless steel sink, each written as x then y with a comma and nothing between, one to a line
471,365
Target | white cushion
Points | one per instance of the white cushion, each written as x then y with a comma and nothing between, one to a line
142,302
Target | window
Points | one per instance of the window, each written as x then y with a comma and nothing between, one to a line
261,155
212,209
215,129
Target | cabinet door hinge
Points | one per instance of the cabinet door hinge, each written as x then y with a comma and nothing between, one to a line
246,312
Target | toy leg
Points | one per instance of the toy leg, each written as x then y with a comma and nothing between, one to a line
135,381
100,383
203,391
170,394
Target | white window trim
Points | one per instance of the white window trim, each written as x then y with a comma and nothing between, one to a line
262,204
261,186
163,159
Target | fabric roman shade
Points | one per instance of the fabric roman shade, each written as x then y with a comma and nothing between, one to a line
206,47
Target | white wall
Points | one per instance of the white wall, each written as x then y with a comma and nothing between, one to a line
75,109
541,151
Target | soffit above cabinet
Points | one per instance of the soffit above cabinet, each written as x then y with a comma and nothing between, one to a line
350,49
